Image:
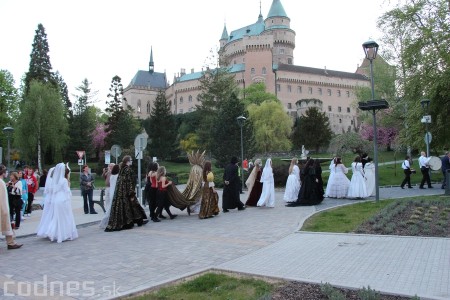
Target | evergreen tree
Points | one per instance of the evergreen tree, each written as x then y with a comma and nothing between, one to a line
312,130
160,127
9,108
114,109
63,90
40,67
38,130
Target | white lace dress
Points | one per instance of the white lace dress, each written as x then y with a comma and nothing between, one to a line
339,183
292,185
369,172
330,178
357,187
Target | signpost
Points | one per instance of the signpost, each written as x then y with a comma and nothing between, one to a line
116,151
140,143
80,155
107,157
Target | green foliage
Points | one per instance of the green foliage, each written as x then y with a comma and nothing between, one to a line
329,291
416,38
190,143
160,127
40,67
256,94
41,131
9,101
368,294
63,90
187,123
271,126
312,130
349,142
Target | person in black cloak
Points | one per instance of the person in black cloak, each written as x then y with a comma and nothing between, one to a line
231,195
311,191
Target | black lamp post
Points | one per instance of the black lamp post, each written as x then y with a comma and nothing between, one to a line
8,131
370,50
426,119
240,120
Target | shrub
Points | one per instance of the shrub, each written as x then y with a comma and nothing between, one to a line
368,294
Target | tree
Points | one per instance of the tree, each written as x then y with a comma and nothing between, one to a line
9,108
349,142
98,137
40,131
256,94
160,127
64,94
40,67
271,126
385,135
312,130
416,36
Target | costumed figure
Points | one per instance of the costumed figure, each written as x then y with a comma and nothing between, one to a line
268,192
47,211
61,223
311,191
112,187
339,183
231,196
357,188
161,194
293,182
369,172
210,199
254,184
125,207
330,178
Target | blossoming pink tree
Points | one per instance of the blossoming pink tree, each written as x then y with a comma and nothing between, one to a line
98,138
386,135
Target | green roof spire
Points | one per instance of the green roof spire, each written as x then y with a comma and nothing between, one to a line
276,10
224,33
151,65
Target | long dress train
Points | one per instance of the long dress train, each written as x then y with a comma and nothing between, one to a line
268,191
357,188
369,172
292,185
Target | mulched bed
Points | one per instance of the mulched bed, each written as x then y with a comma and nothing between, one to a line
308,291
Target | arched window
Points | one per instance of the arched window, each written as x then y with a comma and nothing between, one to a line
264,71
181,100
190,98
148,107
139,106
253,71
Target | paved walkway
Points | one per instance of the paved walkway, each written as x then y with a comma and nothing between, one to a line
260,241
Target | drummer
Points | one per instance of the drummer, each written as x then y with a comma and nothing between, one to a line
425,170
445,166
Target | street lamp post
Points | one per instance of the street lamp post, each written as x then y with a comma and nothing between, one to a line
370,50
240,121
8,131
426,119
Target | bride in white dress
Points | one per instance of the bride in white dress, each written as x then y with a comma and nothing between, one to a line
268,191
47,211
357,187
112,188
61,226
293,182
369,172
330,178
339,183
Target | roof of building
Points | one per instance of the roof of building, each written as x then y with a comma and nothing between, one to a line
153,80
197,75
253,29
323,72
224,33
276,10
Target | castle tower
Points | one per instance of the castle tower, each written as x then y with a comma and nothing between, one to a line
151,65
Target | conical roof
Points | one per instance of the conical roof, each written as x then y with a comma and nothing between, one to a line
276,10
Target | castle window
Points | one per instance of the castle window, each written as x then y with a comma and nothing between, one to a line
339,109
310,90
348,94
190,98
348,109
281,51
329,92
180,110
264,72
289,89
299,90
339,93
351,122
289,61
278,88
319,90
289,106
148,107
329,108
190,109
181,100
139,106
198,98
253,71
340,120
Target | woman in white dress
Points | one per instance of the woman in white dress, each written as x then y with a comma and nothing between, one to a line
357,187
61,226
330,178
369,172
339,184
293,182
47,212
112,188
268,192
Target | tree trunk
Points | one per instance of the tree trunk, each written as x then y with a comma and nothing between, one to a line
39,155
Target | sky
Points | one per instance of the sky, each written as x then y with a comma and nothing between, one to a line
100,39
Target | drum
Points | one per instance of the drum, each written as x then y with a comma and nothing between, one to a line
435,163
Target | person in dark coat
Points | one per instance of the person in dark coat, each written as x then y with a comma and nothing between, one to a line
311,191
231,196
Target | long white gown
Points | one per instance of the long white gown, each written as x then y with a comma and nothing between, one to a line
47,212
357,188
369,172
330,178
61,226
292,185
112,188
339,183
268,191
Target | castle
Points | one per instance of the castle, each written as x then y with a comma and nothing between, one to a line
259,52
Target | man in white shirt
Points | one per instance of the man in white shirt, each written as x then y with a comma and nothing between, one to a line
406,166
425,170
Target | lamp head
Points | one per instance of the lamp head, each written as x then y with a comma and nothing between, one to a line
240,120
425,103
8,130
370,49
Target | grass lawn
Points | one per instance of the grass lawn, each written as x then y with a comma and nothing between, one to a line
213,286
